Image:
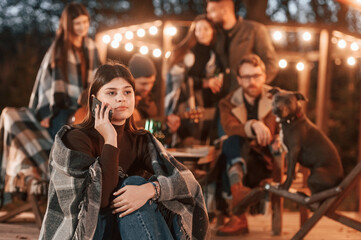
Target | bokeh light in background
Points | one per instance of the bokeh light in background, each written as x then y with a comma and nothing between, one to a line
129,47
144,50
282,63
300,66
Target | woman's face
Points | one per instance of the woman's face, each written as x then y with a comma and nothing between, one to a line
119,95
81,26
204,32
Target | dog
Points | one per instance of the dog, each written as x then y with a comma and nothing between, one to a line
305,143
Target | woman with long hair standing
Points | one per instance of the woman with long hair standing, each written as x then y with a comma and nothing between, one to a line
65,71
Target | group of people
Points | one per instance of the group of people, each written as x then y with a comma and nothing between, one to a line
110,179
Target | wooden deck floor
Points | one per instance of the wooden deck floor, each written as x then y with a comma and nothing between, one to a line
23,227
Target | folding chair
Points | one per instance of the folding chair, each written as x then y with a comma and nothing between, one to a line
324,203
35,197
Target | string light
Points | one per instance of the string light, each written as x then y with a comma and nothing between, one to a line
143,50
118,37
341,43
171,31
167,54
129,35
354,46
306,36
153,30
277,35
351,61
129,47
157,52
300,66
282,63
106,39
115,44
141,32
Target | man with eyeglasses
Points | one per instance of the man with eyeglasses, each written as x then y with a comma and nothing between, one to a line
246,116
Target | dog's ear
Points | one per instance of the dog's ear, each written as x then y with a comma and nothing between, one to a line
274,90
300,97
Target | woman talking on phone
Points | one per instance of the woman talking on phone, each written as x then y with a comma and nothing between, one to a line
111,181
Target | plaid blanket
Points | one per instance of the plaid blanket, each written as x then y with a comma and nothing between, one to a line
24,148
75,193
51,92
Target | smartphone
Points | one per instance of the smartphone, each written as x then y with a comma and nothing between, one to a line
96,102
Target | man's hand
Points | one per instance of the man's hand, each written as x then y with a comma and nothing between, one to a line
214,83
262,132
173,122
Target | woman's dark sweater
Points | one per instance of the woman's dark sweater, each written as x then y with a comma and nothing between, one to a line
131,155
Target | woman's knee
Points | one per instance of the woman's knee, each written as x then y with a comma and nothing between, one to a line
133,180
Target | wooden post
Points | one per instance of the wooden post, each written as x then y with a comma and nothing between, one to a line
323,86
358,190
277,201
304,83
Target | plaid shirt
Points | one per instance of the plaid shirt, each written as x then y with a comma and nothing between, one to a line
75,193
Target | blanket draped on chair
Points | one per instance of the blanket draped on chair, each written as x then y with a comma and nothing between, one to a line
24,150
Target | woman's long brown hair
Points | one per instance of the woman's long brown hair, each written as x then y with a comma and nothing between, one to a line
64,34
189,41
105,74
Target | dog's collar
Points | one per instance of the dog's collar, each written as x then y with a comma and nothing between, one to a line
289,118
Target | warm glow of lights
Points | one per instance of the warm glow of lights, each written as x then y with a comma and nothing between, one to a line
277,35
118,37
115,44
306,36
354,46
334,40
167,54
300,66
351,61
153,30
157,52
144,50
171,31
338,61
341,43
140,32
129,35
106,39
282,63
129,47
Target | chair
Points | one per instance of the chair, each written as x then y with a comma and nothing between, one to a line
36,196
324,203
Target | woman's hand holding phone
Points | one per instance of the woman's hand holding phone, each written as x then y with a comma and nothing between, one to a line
103,124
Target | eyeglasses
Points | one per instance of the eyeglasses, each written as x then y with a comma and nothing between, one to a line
248,78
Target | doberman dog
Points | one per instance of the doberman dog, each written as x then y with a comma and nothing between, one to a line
305,143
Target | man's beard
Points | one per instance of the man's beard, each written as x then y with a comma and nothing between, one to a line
252,91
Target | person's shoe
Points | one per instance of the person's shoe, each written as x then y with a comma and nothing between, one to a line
237,225
239,192
253,196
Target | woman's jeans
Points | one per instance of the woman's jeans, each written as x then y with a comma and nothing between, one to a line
59,120
145,223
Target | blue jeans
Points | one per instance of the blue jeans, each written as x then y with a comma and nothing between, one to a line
59,120
256,161
145,223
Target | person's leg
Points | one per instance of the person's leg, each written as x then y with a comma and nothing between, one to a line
58,121
145,223
233,149
105,225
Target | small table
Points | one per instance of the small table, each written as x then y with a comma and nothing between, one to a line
193,156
